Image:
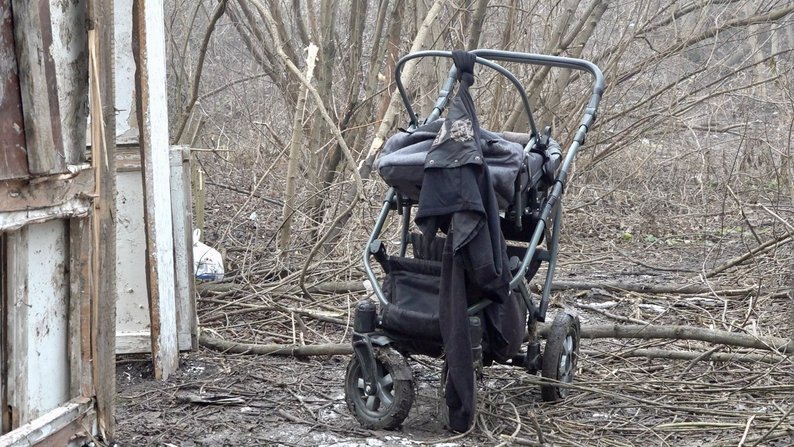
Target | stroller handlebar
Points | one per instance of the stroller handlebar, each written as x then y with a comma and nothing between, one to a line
486,57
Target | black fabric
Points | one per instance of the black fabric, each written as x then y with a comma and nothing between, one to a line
429,251
504,329
412,288
457,197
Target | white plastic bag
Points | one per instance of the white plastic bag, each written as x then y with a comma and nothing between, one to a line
207,262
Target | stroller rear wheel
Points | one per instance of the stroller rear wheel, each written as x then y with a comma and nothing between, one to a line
388,407
559,356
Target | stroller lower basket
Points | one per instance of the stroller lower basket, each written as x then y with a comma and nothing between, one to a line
412,313
412,287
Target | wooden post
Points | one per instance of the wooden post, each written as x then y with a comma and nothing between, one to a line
103,310
148,43
199,194
81,292
184,276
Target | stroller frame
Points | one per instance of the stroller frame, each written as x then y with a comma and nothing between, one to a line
378,375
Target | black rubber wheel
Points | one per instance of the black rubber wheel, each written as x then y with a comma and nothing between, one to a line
443,410
389,406
560,356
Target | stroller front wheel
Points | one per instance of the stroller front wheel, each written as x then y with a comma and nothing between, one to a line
388,406
560,356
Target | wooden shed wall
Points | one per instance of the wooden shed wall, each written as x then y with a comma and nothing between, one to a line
57,376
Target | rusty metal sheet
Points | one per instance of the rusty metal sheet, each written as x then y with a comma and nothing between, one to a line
13,156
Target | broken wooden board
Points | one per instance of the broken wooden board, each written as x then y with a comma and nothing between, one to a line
23,202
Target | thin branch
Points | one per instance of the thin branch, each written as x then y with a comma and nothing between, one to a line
768,245
220,8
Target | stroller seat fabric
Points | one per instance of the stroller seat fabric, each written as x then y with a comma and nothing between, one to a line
402,161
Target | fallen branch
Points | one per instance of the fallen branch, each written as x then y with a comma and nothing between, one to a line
358,286
247,308
713,336
688,355
319,288
274,349
601,331
691,289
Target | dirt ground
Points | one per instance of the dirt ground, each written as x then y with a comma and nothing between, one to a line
224,399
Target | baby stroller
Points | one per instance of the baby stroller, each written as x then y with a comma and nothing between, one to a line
464,293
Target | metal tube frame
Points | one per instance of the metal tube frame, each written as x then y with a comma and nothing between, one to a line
553,199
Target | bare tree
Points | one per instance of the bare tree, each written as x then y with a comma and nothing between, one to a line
697,67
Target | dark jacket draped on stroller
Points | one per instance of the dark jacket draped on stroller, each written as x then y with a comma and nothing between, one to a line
457,197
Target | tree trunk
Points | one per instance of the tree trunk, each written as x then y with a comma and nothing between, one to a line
475,29
295,153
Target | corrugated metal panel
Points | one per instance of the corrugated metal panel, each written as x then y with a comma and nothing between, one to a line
13,157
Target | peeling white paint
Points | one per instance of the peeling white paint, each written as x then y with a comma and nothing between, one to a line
157,188
14,220
38,314
132,309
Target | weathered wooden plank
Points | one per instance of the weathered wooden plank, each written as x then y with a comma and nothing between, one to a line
70,56
22,195
13,156
128,159
14,220
138,342
181,211
5,288
16,317
53,427
149,53
38,86
102,22
80,294
59,196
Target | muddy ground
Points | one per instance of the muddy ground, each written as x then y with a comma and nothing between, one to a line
225,399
